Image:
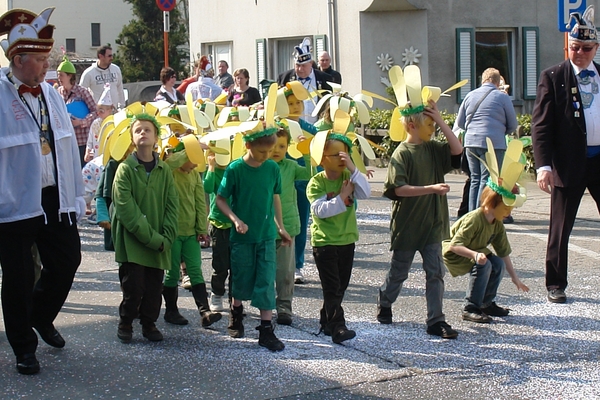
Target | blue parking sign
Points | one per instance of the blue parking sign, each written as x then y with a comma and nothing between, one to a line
565,8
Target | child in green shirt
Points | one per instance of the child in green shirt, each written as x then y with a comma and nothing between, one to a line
144,226
291,172
253,184
420,221
334,231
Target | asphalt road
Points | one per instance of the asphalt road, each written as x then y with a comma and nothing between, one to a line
540,351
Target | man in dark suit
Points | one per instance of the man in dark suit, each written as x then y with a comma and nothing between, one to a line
325,66
566,143
304,72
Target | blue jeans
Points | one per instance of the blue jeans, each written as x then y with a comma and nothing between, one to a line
484,282
479,173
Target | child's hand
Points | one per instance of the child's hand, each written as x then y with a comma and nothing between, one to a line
301,138
432,112
286,239
203,238
370,173
240,226
347,189
88,156
520,285
481,258
211,161
104,224
348,161
440,188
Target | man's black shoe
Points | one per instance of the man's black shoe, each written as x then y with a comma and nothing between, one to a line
50,335
27,364
495,310
342,335
384,315
443,330
557,296
479,317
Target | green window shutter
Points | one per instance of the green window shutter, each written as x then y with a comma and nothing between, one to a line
531,61
465,61
319,45
261,59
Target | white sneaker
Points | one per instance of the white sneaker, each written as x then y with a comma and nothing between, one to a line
216,303
298,277
186,283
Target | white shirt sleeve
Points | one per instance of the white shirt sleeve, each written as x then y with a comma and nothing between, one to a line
362,189
324,208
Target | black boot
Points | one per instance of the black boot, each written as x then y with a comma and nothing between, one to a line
236,321
172,315
201,299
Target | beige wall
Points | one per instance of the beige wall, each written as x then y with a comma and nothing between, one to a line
73,19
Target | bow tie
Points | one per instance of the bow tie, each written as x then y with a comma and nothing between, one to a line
35,91
584,73
304,80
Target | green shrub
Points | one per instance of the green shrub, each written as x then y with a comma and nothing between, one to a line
380,119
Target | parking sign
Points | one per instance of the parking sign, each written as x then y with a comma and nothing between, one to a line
565,8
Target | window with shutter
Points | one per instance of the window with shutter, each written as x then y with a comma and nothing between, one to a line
465,63
261,59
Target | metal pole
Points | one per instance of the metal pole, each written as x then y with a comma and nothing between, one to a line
166,36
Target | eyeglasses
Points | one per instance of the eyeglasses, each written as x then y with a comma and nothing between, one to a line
576,49
332,155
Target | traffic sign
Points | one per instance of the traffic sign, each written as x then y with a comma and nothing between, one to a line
166,5
565,8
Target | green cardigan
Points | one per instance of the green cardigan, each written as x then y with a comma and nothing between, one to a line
144,214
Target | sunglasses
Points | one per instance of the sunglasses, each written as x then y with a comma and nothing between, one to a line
576,49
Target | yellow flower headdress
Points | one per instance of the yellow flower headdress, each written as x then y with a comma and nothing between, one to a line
407,86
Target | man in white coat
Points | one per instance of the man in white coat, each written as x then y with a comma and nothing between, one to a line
42,189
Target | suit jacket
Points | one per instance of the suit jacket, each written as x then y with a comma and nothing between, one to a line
337,77
558,125
321,77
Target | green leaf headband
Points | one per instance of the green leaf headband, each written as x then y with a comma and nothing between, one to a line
406,112
251,137
341,138
146,117
500,190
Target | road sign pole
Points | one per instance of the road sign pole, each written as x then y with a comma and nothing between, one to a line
166,36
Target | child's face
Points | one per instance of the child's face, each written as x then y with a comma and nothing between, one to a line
103,111
280,149
259,153
188,167
296,106
144,134
502,211
331,156
426,130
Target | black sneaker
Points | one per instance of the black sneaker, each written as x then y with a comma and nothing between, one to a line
125,333
236,322
152,333
495,310
443,330
342,335
384,315
557,296
477,316
209,318
267,338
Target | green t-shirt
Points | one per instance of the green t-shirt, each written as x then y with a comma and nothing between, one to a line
251,191
291,171
212,181
474,232
421,220
339,230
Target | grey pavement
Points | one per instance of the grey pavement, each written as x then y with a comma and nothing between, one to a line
540,351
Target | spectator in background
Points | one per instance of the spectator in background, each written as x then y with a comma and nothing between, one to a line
325,66
104,71
167,91
224,79
242,94
205,87
80,104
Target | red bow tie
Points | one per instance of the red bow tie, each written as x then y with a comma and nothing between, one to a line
35,91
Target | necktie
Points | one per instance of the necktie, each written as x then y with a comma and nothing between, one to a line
584,73
304,80
35,91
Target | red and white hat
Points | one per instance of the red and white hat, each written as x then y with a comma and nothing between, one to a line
27,32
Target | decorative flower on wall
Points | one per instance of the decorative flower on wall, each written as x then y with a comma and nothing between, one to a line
385,62
410,56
